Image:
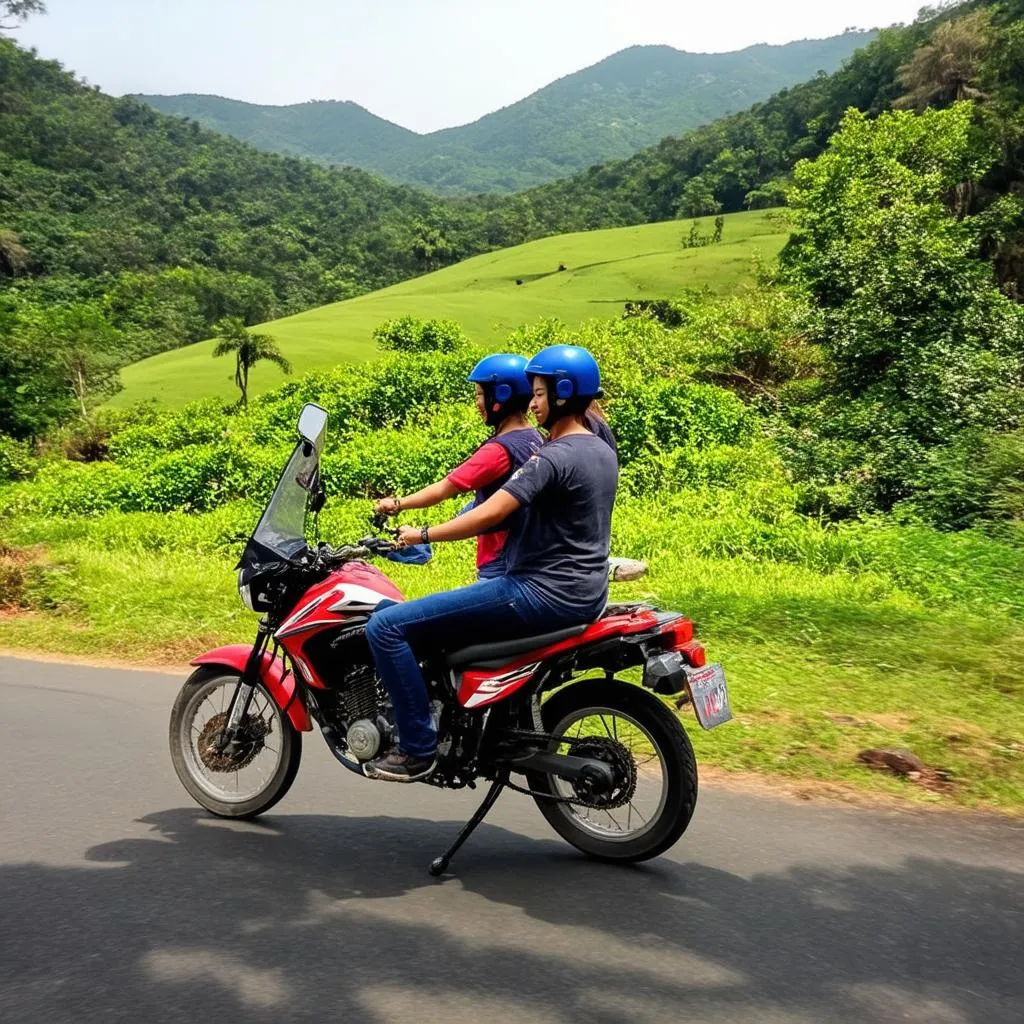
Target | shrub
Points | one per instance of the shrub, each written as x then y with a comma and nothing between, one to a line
410,334
16,460
980,476
665,414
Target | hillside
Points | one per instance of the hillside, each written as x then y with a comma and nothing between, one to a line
744,161
603,270
610,110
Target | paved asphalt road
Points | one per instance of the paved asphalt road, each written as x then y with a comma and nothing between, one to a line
121,901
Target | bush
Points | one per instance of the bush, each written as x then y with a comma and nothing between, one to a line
410,334
978,477
665,414
16,460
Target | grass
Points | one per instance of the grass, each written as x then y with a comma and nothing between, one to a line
826,656
604,269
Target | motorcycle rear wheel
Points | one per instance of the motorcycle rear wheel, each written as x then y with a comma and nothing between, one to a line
211,789
619,711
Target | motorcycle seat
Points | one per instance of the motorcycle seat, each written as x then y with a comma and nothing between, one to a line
494,655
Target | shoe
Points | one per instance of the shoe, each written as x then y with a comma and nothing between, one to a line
396,766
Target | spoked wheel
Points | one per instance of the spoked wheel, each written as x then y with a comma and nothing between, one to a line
248,779
652,762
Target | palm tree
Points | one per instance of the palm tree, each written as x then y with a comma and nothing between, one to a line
944,70
249,349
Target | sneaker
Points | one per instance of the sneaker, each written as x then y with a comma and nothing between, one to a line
399,767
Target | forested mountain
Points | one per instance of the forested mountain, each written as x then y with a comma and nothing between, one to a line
124,231
610,110
973,49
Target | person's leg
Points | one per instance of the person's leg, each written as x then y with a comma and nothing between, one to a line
492,610
439,620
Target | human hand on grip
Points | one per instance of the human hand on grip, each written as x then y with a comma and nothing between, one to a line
388,506
408,535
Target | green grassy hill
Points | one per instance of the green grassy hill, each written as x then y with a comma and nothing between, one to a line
604,269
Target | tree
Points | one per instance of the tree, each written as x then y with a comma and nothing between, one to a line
697,199
919,342
944,70
19,10
249,349
86,345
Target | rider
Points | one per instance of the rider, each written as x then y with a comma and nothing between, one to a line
502,398
557,557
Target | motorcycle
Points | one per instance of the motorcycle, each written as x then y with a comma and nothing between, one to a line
607,762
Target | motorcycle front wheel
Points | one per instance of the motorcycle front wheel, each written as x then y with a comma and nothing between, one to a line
251,778
656,771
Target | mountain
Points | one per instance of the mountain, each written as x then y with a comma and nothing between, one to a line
610,110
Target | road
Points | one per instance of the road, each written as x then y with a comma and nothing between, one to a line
121,901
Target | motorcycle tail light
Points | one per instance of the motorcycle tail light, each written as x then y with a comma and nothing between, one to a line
693,654
678,633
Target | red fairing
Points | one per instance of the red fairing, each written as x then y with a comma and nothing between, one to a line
273,674
352,591
486,686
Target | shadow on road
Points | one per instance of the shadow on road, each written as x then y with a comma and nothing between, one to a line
322,918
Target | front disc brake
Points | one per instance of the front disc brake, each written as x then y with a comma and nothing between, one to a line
248,742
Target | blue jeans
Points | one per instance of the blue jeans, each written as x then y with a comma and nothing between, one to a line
489,611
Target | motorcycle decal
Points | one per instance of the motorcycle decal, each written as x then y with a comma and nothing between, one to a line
288,626
475,692
354,598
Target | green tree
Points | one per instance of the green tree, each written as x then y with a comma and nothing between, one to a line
919,342
86,346
248,349
697,199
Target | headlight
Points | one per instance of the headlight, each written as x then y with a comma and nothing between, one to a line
245,593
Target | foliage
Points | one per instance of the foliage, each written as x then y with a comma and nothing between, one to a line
18,10
411,334
16,462
919,342
947,67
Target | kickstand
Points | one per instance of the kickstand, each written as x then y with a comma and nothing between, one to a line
440,864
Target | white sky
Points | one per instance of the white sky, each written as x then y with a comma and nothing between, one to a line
425,64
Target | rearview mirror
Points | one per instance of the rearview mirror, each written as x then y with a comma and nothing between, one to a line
312,425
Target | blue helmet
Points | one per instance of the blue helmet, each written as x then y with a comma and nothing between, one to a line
573,369
503,378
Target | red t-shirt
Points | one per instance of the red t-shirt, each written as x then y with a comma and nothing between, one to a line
488,463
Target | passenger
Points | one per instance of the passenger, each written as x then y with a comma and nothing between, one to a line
556,558
595,422
503,395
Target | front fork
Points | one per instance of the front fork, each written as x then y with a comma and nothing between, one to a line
242,697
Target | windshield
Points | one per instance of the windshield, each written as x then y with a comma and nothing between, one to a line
281,531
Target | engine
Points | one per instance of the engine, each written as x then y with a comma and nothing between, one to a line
361,704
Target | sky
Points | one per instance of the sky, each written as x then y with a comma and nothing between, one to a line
424,64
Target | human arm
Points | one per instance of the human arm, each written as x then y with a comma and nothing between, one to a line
426,497
486,465
520,490
497,508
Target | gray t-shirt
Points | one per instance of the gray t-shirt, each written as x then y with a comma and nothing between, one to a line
559,539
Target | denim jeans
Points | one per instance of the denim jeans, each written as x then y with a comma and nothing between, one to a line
488,611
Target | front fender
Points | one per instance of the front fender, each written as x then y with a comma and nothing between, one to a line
278,680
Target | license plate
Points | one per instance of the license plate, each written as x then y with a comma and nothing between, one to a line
709,694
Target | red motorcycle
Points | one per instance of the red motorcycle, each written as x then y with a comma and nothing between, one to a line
607,761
